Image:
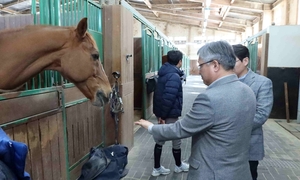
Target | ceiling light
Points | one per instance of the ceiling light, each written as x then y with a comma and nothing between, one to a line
207,3
206,13
205,23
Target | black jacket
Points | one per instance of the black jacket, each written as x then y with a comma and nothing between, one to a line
167,100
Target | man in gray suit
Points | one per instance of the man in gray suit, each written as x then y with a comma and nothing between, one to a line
263,90
220,120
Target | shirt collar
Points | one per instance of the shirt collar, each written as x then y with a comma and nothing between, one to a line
244,76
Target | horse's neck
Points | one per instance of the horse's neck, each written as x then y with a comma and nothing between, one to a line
29,44
26,52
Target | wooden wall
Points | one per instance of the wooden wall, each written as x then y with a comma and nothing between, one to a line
118,42
43,130
44,138
138,76
84,128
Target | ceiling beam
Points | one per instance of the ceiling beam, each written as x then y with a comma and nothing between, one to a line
247,16
181,5
227,10
198,16
195,23
255,7
247,13
148,4
9,11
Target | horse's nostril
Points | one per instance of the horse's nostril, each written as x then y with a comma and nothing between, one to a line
104,97
99,94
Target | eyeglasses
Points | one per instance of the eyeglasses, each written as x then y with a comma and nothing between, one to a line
200,65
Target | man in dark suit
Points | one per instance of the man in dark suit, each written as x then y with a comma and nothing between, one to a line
263,90
219,122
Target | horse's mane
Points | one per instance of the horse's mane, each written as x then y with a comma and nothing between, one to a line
28,27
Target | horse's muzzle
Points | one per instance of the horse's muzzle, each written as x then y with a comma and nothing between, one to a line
101,99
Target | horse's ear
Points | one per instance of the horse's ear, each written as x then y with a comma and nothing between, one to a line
81,28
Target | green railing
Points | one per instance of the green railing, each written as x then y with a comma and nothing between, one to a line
253,50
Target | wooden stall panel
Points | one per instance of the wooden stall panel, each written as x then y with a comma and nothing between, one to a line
264,54
84,125
82,120
97,121
72,94
118,30
54,147
91,126
44,138
72,136
62,146
45,148
127,120
35,152
126,20
138,78
10,133
20,134
17,108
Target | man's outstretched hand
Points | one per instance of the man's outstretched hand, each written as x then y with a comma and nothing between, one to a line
145,124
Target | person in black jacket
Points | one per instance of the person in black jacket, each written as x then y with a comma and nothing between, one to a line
167,107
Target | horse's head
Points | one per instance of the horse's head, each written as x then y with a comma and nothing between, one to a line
81,65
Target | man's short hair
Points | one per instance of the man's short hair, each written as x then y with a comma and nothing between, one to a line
241,51
174,56
220,51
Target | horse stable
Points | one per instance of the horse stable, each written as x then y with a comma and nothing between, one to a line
54,97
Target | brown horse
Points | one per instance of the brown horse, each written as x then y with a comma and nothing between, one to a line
71,51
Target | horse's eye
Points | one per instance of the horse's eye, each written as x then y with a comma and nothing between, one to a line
95,56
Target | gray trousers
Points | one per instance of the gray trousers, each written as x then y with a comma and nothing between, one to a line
175,143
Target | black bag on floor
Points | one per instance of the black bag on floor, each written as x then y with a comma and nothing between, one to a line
106,164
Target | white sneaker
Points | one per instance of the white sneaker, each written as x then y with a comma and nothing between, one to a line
184,167
160,171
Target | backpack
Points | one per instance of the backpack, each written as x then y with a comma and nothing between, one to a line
6,173
105,163
151,83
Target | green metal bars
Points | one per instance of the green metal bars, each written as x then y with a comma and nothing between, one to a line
253,48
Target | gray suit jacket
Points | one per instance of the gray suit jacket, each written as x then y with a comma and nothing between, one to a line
220,123
263,90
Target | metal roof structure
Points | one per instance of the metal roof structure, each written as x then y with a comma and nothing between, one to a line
223,15
9,7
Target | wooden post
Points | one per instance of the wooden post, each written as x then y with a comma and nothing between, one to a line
286,95
117,44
